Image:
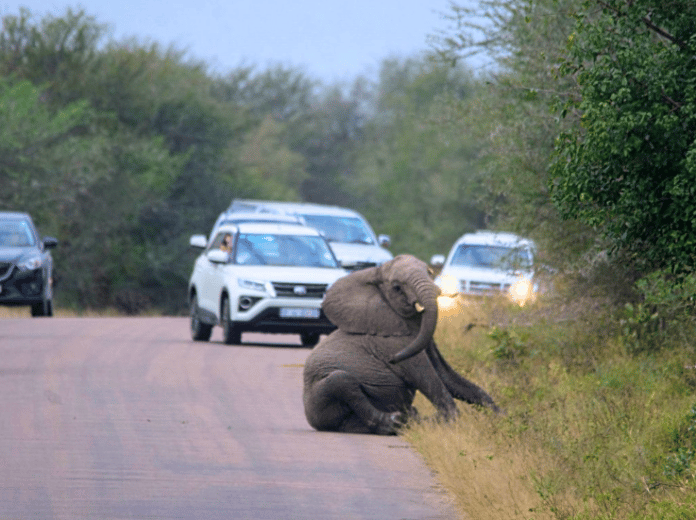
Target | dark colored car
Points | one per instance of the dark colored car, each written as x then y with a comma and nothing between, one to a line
26,265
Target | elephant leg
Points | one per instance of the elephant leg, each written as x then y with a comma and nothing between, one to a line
460,387
338,403
432,387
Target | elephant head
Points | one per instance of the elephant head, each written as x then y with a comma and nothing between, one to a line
398,298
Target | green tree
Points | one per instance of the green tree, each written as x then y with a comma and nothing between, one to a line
629,167
414,178
320,127
89,174
56,52
30,135
510,118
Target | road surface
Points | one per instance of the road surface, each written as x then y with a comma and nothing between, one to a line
114,418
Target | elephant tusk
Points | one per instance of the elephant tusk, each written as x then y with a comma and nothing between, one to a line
419,307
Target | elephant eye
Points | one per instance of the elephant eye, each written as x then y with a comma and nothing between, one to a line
397,288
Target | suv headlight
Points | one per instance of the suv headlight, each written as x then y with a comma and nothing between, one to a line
256,285
30,264
522,291
448,284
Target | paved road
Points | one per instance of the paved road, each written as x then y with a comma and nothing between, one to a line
111,418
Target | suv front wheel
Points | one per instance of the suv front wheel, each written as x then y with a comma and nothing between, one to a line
42,309
309,339
199,331
231,333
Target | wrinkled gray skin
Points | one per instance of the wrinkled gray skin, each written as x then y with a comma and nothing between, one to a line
363,377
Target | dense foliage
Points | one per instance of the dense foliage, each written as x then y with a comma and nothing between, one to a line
629,167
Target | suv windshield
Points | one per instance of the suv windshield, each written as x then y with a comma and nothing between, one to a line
340,229
283,250
15,233
492,257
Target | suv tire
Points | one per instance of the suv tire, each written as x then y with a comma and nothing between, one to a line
309,339
42,309
231,333
199,331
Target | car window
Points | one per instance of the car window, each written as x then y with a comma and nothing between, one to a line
340,229
492,257
283,250
16,233
217,241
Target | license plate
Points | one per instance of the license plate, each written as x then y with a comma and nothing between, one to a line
298,312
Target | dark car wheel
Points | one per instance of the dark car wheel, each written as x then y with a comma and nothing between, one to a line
231,333
42,309
309,339
199,331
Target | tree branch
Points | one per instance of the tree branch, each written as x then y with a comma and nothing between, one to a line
646,20
648,23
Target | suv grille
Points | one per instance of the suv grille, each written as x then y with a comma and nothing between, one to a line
5,270
487,287
295,290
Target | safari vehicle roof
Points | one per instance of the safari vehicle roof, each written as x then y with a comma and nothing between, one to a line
492,238
254,216
302,208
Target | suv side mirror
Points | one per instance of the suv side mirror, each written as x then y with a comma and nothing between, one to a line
49,242
218,256
198,241
384,240
437,260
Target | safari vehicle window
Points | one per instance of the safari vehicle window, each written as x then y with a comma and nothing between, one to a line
16,233
283,250
492,257
340,229
217,242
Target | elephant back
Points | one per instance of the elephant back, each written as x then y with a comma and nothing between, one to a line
355,305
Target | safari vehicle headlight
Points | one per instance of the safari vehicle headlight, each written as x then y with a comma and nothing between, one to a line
256,285
30,264
448,284
522,291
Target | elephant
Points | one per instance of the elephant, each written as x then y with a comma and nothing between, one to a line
363,376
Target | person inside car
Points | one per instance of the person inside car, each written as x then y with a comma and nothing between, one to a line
226,244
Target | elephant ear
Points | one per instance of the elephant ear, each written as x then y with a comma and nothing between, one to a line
355,304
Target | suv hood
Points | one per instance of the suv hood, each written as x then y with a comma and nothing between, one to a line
306,275
349,254
14,254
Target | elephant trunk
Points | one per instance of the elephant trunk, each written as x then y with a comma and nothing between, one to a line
427,293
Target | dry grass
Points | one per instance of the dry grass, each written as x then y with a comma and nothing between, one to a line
489,476
587,435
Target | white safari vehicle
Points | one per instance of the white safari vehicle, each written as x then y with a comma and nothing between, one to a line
271,278
487,263
350,236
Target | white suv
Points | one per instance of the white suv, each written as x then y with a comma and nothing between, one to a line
271,277
487,263
350,236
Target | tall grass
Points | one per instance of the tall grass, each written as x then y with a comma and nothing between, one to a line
595,428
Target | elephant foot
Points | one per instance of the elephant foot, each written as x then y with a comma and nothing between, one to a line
392,423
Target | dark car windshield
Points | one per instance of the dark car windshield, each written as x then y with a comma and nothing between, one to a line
16,233
492,257
340,229
283,250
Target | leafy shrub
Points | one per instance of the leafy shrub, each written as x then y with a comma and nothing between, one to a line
678,462
666,308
